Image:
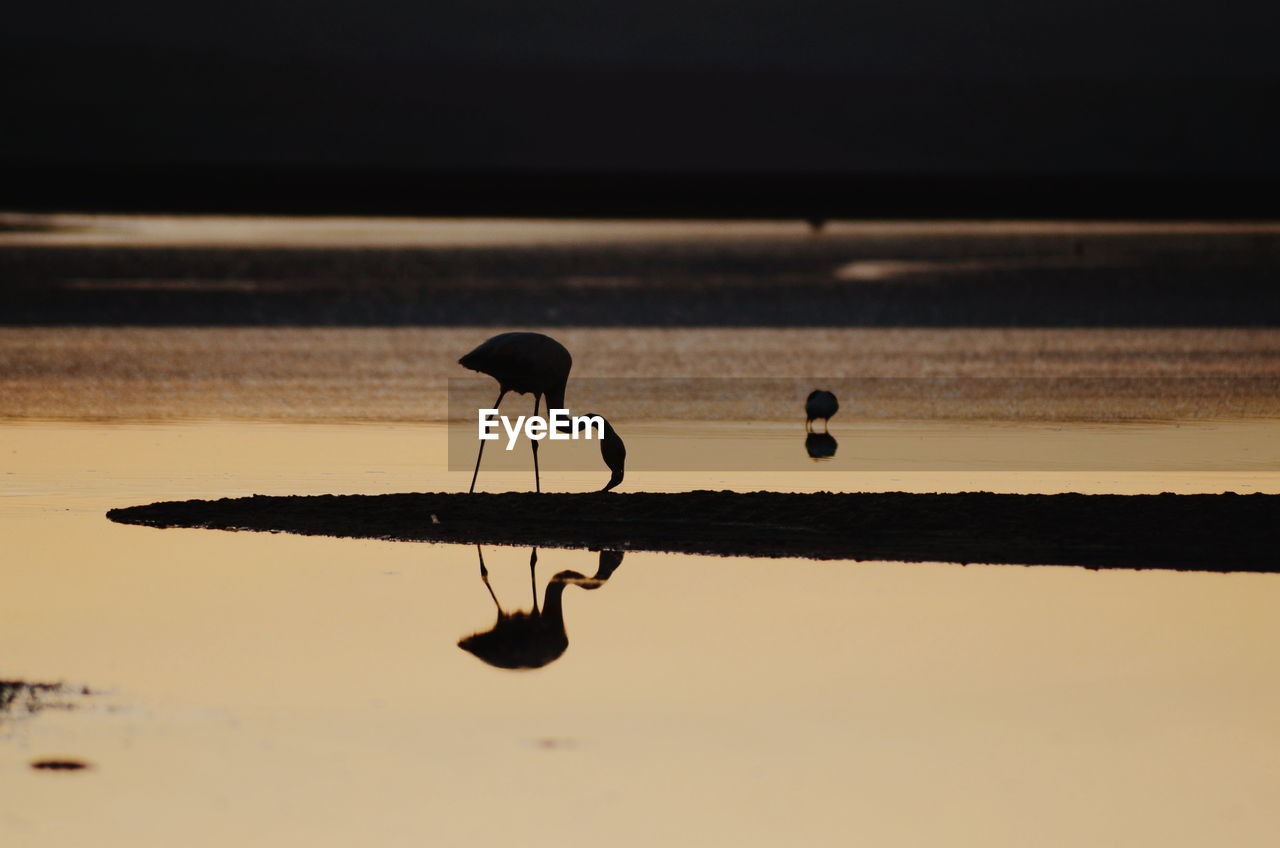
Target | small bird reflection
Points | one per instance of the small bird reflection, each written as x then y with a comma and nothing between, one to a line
820,445
528,639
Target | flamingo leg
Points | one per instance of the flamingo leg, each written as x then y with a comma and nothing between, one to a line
484,575
533,579
537,483
474,474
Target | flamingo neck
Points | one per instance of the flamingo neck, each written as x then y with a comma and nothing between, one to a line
552,601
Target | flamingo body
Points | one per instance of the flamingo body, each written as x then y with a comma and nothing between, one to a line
526,363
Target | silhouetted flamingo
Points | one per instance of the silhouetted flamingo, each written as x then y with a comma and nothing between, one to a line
527,363
532,363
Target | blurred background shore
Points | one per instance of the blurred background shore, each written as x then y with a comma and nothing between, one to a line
351,318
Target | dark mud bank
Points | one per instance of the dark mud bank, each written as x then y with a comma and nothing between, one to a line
1185,532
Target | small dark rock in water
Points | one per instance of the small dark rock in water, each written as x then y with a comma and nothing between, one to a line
59,765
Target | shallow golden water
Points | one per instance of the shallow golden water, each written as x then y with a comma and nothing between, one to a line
268,689
259,689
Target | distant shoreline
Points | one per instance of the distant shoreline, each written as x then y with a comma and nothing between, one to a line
229,273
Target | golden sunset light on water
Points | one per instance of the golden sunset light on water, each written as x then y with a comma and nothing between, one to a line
210,687
931,359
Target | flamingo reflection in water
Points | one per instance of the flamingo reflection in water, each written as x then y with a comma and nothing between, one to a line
528,639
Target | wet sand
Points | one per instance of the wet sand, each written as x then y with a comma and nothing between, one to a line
1225,532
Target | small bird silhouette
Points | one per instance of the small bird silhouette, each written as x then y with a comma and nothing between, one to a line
528,639
820,404
526,363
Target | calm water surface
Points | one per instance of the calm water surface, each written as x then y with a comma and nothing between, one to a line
268,689
265,689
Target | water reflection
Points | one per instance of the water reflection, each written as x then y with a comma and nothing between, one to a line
527,639
820,445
